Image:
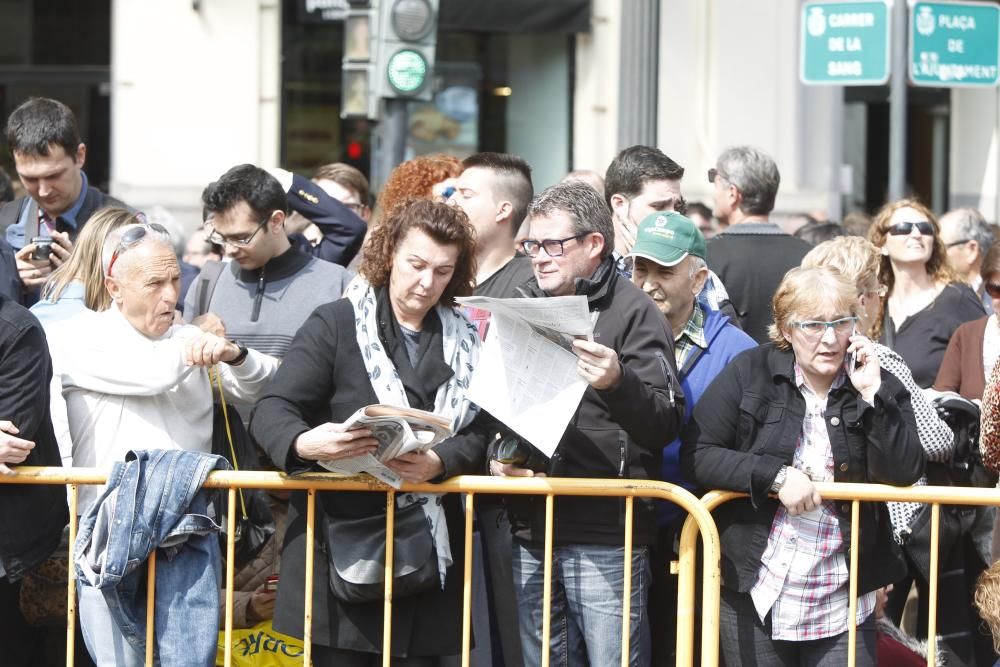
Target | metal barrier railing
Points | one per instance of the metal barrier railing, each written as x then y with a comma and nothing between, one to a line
856,493
699,522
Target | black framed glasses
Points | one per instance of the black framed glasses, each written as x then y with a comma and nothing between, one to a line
222,239
713,172
816,328
132,238
955,243
906,228
553,247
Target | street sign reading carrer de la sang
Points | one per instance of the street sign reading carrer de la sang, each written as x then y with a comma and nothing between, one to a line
845,43
955,44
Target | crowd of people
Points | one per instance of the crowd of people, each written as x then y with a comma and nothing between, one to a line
732,349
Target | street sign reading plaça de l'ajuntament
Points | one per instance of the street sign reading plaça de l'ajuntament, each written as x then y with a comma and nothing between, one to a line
845,43
955,44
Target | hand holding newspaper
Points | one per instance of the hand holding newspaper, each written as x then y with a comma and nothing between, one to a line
398,431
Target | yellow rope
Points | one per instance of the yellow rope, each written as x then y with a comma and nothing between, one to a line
214,373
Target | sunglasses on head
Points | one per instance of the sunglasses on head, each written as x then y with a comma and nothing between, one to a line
992,289
905,228
133,236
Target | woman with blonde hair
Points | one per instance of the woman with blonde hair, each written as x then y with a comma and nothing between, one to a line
78,284
925,301
812,406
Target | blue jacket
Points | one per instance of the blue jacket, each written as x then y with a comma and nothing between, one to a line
154,500
725,341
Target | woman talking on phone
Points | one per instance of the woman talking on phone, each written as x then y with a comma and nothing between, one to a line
814,405
395,338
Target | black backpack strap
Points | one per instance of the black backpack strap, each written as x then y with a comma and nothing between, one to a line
207,280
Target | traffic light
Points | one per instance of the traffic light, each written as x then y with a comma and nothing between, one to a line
359,97
407,38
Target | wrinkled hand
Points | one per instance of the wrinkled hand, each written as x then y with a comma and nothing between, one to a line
498,469
32,272
417,467
210,323
261,605
208,350
598,365
329,442
867,377
12,449
798,494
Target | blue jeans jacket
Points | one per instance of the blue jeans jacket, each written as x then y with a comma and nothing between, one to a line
154,500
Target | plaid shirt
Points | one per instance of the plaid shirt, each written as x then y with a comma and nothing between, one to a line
803,577
691,335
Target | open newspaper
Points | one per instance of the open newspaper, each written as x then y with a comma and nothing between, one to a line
527,374
398,431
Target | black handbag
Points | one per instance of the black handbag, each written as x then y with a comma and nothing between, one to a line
356,554
254,522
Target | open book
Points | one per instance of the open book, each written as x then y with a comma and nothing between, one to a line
398,431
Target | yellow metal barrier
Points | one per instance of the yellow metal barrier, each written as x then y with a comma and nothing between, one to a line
856,493
700,522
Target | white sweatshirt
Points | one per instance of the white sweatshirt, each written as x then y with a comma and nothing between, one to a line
125,391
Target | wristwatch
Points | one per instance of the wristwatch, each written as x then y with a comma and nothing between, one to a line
241,356
779,479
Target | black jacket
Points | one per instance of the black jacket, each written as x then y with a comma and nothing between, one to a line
746,426
323,378
32,516
616,433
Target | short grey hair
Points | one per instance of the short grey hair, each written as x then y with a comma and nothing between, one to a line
583,204
113,240
973,227
696,265
754,174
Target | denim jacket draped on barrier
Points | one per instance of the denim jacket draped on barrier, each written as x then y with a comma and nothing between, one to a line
154,500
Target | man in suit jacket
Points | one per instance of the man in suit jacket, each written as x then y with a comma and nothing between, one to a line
49,157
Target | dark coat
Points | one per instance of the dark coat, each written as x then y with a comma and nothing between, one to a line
616,433
746,426
32,516
323,379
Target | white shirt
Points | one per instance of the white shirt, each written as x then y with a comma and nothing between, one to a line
126,391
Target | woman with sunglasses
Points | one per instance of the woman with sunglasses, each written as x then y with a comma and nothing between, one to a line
814,405
926,301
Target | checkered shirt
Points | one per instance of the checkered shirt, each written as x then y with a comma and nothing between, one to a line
803,577
693,334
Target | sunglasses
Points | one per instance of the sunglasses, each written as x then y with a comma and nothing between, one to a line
993,290
906,228
132,238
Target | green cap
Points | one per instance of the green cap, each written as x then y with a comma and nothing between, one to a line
667,238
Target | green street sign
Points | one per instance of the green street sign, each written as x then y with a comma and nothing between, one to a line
845,43
955,44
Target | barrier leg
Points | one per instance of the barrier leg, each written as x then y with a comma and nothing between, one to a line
547,583
852,606
71,580
932,585
310,545
627,588
230,573
390,543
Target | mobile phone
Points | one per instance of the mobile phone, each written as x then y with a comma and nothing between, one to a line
43,247
852,359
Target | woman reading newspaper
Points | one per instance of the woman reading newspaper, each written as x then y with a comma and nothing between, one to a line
394,339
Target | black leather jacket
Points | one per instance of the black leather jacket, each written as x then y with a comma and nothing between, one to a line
746,426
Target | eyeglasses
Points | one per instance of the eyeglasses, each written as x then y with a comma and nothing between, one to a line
816,328
221,239
992,289
906,228
357,207
132,238
553,247
713,172
955,243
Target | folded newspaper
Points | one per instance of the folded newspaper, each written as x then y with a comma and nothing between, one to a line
398,431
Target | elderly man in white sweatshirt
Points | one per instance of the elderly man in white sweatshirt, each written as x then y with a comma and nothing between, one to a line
132,379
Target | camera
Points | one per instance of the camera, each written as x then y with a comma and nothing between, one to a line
43,247
514,450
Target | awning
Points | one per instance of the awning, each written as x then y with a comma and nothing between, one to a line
560,16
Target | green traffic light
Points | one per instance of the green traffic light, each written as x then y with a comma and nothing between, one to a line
407,71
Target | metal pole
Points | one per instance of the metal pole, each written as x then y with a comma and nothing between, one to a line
897,101
390,141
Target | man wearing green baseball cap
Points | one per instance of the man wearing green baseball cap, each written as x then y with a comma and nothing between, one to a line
669,266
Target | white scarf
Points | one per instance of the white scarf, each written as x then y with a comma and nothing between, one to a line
461,352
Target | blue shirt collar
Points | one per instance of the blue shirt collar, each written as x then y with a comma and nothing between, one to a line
70,215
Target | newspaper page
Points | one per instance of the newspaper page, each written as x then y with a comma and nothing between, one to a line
527,374
398,431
